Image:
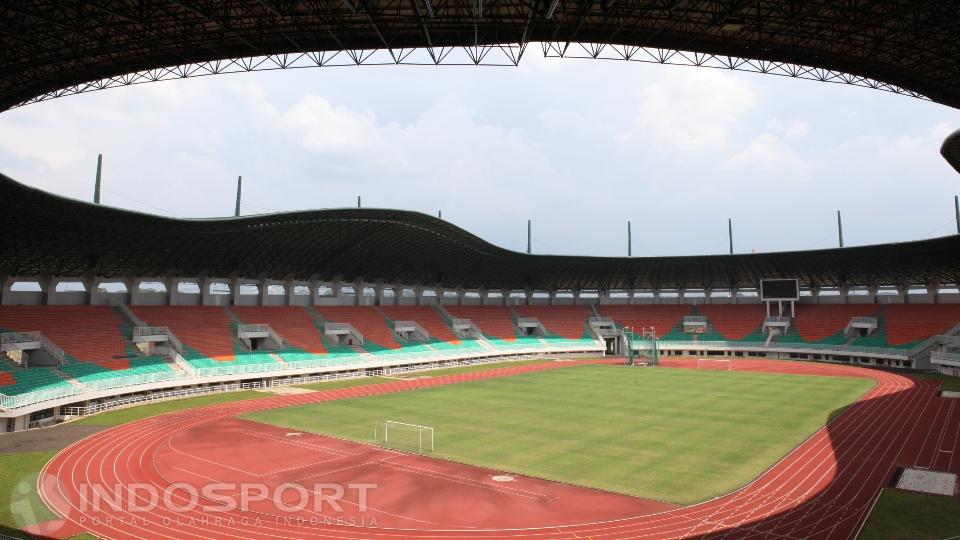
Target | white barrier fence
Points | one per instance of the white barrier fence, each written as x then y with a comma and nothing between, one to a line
159,396
386,360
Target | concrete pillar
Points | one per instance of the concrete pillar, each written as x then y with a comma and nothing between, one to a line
235,291
418,295
172,285
844,294
902,295
815,293
357,293
933,289
461,294
872,292
576,296
706,295
484,293
6,283
656,296
87,282
289,286
552,294
49,288
528,296
314,292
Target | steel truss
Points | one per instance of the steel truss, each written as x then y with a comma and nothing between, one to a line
53,48
501,55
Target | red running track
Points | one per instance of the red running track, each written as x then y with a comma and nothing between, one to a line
823,489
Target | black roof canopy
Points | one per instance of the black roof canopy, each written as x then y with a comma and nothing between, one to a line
43,234
48,45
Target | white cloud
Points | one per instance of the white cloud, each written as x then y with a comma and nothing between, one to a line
322,127
768,160
578,146
695,110
796,129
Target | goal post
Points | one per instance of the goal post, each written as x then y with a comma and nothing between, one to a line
715,364
404,436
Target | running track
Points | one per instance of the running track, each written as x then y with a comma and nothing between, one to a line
823,489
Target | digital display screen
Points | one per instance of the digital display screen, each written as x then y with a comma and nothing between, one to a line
779,289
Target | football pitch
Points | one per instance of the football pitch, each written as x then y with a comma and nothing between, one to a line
676,435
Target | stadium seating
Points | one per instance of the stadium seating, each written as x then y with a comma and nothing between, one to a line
735,322
87,333
142,370
293,324
666,319
377,334
16,380
911,323
818,322
441,335
496,322
568,322
207,331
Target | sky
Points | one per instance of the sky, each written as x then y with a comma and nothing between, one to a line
578,146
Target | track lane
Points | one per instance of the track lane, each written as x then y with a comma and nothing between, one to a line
805,492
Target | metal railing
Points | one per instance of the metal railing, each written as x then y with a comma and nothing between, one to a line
146,331
864,320
19,337
777,319
337,327
759,345
38,396
940,357
346,361
253,328
159,396
52,349
694,319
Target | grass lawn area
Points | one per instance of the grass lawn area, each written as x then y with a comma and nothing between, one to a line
904,515
345,383
122,416
20,505
951,384
678,435
469,369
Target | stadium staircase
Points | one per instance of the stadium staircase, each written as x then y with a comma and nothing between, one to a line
733,322
564,324
666,319
377,335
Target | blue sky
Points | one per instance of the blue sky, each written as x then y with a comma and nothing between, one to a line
578,146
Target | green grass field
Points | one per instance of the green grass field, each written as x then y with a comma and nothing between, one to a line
671,434
950,384
902,515
20,505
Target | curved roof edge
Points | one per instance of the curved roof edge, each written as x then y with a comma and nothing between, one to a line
950,150
47,50
52,235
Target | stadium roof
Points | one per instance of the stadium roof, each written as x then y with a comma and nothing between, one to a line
44,234
951,149
51,48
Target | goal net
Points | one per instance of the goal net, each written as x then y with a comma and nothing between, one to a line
404,436
715,364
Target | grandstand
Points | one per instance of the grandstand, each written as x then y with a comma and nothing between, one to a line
68,352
